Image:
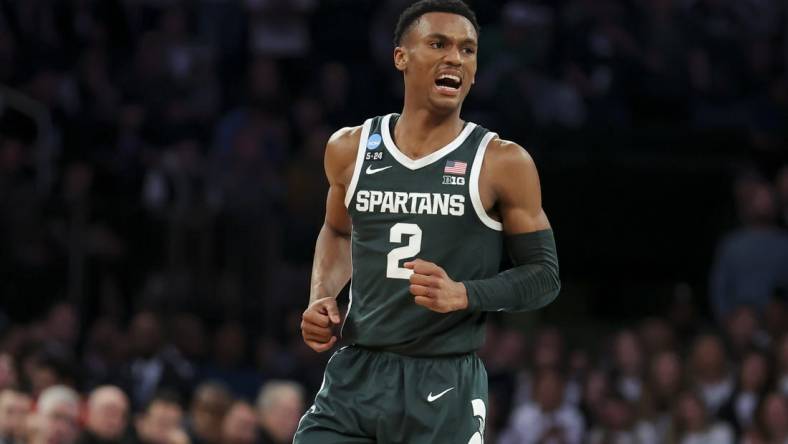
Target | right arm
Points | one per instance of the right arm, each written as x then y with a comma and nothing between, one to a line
331,268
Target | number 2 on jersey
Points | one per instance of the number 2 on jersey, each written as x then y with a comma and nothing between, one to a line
393,270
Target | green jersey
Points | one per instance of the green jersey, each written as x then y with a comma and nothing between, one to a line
429,209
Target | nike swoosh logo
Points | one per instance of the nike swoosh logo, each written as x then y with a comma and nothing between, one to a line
371,170
431,398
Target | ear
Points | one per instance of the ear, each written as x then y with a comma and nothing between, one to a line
400,58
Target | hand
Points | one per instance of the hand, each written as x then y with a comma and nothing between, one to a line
316,323
434,289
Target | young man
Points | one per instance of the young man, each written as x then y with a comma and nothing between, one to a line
423,203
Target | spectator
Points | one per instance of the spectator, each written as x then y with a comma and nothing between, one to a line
774,418
547,419
208,408
239,425
628,365
155,365
781,355
664,382
229,365
743,331
280,406
692,423
710,372
8,372
56,420
160,423
751,262
753,384
620,425
107,416
15,406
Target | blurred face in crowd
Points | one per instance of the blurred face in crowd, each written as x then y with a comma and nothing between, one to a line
741,326
57,425
782,355
616,414
229,344
548,348
666,373
754,372
692,412
656,334
627,353
708,359
108,409
8,375
280,418
549,390
160,422
63,323
14,409
775,416
596,388
438,43
208,409
146,335
240,425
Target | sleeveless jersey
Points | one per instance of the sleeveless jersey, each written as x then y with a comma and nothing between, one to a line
403,209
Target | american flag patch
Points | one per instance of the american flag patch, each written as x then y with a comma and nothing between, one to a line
455,167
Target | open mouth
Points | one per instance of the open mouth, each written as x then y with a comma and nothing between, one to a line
448,82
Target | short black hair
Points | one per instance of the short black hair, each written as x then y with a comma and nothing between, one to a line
421,7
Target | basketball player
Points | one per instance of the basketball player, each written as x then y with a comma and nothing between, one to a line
422,202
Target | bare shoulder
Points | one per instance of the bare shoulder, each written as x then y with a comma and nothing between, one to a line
505,157
341,150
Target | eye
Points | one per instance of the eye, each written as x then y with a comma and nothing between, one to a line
436,45
469,51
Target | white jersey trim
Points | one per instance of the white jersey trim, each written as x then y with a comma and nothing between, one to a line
414,164
473,187
362,146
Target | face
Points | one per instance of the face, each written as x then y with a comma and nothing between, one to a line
549,391
60,425
207,412
709,357
282,419
107,415
692,412
775,414
240,425
754,372
438,59
14,408
627,352
666,371
160,421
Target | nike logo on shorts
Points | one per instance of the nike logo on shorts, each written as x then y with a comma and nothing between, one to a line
371,170
432,397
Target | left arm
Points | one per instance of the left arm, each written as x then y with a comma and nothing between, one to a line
510,183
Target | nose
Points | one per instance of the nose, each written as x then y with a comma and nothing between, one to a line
453,56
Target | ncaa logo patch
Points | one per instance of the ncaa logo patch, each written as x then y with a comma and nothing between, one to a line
373,141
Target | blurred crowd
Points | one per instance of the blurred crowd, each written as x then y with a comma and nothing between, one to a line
675,377
161,188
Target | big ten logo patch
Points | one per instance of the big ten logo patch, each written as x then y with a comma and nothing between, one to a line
453,180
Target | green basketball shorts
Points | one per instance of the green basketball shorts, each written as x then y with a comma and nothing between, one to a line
380,397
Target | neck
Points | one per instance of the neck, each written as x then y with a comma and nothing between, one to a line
419,132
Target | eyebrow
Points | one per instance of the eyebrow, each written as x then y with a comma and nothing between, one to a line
445,37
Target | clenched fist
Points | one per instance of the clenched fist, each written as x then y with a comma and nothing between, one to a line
317,322
434,289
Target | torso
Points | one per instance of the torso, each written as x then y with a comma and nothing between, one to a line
430,208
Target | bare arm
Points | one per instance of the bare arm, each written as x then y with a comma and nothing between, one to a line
510,192
331,267
512,187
